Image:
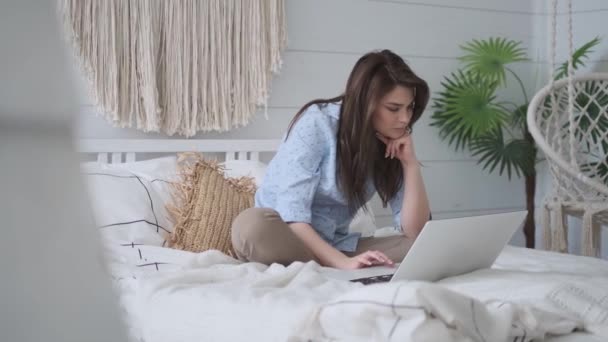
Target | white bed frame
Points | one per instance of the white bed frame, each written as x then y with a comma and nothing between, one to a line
116,151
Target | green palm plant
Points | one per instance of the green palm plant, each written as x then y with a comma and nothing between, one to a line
488,58
469,114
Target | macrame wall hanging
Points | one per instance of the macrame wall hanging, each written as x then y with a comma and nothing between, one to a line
178,66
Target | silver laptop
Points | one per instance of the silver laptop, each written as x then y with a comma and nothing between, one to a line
453,247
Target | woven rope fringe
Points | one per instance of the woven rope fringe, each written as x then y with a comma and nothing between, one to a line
590,240
177,67
560,235
546,222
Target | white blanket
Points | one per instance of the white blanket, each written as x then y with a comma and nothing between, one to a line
174,296
215,298
417,311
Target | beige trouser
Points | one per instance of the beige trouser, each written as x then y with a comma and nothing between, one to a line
260,235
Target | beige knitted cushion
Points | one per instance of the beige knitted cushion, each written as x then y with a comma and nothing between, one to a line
206,203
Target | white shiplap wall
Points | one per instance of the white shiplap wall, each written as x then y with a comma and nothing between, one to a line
326,37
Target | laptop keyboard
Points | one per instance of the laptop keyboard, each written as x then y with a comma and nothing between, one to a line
375,279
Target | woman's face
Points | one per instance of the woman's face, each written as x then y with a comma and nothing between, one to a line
393,113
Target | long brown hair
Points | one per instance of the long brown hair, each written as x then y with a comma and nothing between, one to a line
360,154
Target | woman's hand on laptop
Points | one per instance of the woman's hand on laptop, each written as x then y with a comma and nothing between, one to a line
366,259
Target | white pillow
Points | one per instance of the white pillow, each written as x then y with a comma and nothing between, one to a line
249,168
128,200
157,174
160,172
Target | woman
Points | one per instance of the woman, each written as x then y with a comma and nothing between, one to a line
336,154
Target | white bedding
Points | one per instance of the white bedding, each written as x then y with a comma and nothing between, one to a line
173,296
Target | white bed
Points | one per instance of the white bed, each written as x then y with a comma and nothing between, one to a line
170,296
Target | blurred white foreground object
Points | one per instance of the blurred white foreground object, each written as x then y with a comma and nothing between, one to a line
54,286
